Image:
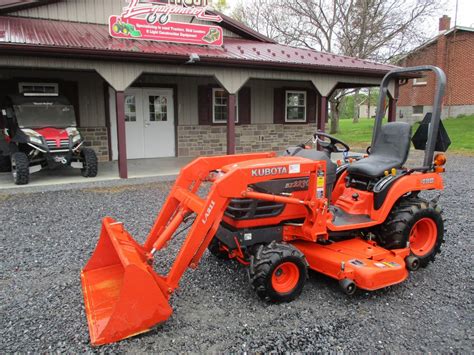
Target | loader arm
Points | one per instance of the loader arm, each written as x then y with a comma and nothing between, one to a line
231,182
123,295
191,178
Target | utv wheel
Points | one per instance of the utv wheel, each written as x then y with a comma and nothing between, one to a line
417,222
216,250
278,272
89,161
20,168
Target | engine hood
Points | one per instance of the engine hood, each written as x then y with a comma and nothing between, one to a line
53,133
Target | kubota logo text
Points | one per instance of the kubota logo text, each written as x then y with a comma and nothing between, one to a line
208,211
277,170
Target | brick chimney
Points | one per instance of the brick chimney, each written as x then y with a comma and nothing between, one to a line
441,45
444,23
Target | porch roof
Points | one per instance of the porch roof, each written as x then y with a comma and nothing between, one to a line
50,37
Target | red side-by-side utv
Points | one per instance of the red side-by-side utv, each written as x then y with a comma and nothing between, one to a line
40,132
362,222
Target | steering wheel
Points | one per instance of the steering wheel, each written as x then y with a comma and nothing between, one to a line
330,143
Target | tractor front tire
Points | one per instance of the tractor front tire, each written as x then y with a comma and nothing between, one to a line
278,272
89,162
417,222
216,250
20,168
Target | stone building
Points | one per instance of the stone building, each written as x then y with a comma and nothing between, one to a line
137,98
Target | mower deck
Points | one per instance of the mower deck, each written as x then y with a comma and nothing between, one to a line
369,266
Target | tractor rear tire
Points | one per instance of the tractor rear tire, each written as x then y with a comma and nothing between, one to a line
278,272
415,221
89,162
20,168
215,249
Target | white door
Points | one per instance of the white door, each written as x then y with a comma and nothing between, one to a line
159,132
134,126
149,123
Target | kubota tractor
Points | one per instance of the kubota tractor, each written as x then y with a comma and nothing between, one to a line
362,223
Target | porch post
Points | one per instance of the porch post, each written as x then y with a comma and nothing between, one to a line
231,112
322,112
392,104
122,149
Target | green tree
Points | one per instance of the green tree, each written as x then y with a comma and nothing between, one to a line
219,5
368,29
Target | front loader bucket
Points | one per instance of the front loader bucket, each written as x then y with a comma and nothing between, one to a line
123,296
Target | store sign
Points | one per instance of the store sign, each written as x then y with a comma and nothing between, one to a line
151,21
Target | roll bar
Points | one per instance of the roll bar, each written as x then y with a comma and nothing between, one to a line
436,116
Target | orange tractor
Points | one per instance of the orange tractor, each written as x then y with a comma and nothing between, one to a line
361,223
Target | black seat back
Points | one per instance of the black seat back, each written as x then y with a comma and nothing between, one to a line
393,142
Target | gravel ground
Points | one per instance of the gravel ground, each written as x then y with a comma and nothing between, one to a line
47,237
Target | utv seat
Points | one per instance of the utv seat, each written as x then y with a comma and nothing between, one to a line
390,150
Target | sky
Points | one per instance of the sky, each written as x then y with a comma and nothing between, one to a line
465,15
465,12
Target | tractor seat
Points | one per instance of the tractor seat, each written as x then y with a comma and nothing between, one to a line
390,150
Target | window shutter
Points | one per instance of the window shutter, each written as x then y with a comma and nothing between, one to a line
278,105
311,106
244,105
204,104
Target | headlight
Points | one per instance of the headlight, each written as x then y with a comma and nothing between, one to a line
74,134
36,140
33,136
76,138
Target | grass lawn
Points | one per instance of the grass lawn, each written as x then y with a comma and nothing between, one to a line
460,130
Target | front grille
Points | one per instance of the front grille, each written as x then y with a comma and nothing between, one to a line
243,208
63,143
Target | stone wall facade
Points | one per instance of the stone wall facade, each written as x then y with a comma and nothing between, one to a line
211,140
97,139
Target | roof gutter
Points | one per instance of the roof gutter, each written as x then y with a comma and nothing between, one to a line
110,55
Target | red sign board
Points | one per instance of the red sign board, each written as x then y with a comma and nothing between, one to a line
150,20
190,33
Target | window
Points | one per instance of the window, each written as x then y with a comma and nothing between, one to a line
418,110
158,106
130,108
38,89
295,106
220,100
419,81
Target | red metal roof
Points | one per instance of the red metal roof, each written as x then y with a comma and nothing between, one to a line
36,36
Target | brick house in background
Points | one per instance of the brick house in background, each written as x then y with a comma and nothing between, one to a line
453,51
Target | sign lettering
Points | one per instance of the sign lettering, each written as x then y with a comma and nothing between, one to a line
151,21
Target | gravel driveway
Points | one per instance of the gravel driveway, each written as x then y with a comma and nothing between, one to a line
47,237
